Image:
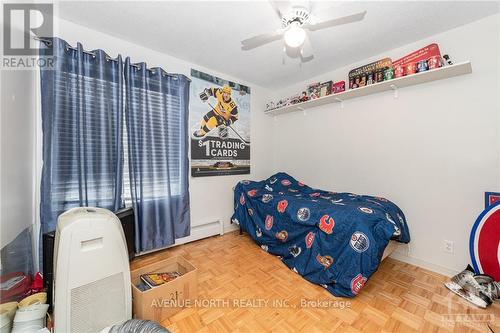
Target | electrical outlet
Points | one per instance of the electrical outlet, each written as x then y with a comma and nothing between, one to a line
448,246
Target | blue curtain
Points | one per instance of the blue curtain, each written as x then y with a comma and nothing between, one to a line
82,122
157,129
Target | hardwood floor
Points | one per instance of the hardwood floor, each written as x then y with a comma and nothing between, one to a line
254,292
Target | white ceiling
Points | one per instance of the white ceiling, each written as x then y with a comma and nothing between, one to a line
208,33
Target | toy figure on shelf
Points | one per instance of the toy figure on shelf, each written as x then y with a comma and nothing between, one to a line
434,62
314,90
399,71
422,66
388,73
447,59
370,79
325,89
295,99
270,106
338,87
304,97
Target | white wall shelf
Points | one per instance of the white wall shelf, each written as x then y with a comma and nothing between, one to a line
390,85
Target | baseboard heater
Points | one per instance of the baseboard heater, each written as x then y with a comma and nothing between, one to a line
198,232
201,231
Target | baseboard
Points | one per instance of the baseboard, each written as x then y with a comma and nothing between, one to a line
202,231
199,231
424,264
230,228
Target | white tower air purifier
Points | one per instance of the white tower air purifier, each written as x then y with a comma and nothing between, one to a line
91,272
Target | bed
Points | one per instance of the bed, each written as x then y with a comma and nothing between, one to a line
336,240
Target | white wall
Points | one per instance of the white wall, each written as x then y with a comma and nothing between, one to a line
434,151
211,197
17,148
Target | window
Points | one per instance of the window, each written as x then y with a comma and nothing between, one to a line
161,149
112,132
82,134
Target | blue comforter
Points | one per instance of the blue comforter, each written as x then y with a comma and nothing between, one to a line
332,239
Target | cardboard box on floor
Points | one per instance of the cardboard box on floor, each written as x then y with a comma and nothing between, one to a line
161,302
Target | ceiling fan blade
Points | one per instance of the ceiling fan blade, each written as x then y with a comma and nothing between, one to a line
260,40
276,8
307,46
338,21
306,59
306,53
311,6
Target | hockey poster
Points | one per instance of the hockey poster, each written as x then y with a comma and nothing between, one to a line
219,118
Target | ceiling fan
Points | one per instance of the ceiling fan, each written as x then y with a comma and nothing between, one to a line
294,24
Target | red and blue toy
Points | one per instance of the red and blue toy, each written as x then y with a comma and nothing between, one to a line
484,243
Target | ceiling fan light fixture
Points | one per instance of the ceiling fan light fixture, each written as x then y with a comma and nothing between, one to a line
295,35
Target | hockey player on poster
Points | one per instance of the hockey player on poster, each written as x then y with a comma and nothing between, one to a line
224,114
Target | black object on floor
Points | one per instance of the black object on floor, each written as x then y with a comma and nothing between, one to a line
138,326
127,219
48,240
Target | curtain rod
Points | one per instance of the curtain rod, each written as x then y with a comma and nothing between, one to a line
49,42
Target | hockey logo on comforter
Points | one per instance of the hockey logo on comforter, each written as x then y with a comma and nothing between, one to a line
332,239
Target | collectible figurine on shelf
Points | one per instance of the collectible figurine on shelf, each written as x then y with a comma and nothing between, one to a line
434,62
447,59
388,73
295,99
370,79
325,89
304,97
399,71
422,66
270,106
411,68
362,82
338,87
355,84
314,90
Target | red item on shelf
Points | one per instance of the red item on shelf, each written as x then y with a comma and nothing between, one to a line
338,87
434,62
411,68
399,71
409,62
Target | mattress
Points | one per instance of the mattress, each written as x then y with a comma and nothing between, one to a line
391,247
